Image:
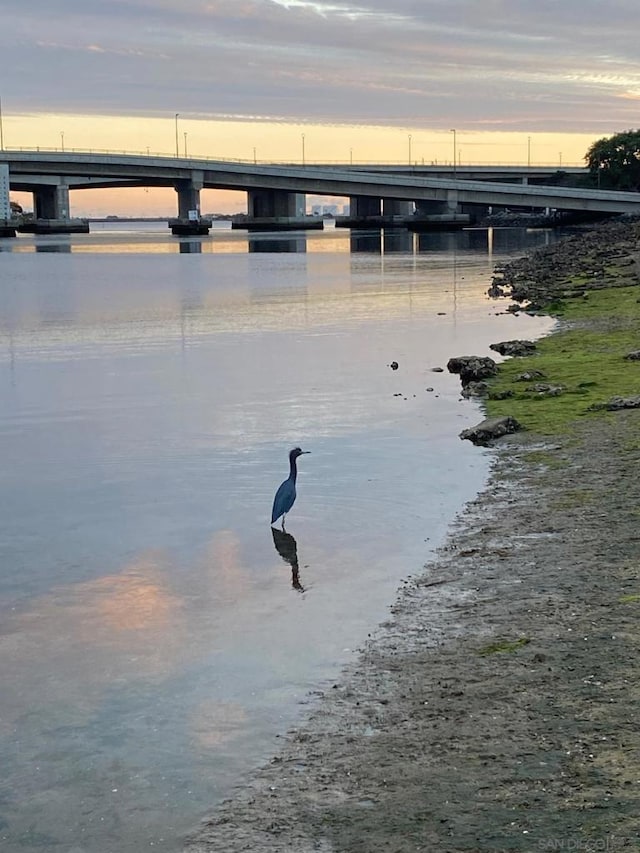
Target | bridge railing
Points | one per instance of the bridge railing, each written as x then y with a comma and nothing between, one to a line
351,161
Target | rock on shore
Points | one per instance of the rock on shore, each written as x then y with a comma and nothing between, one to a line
489,429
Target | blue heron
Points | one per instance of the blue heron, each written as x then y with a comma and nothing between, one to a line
286,494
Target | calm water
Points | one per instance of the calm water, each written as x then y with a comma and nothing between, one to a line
154,635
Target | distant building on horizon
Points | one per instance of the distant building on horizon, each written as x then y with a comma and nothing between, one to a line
5,204
324,210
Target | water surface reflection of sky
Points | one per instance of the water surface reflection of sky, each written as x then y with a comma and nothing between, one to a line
154,634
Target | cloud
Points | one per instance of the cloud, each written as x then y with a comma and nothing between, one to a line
421,62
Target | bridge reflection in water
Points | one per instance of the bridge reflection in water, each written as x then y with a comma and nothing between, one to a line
138,237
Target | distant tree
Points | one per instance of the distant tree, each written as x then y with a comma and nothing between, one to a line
614,162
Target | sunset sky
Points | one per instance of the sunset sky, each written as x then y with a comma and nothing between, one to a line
369,80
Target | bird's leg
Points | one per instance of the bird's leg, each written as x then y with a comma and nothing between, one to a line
283,518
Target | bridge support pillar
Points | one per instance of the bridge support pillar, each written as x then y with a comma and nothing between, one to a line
51,202
275,203
7,222
439,214
475,211
364,207
364,212
439,206
189,221
276,210
52,211
397,208
370,212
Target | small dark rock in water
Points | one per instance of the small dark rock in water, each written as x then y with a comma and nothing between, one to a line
472,368
490,429
437,369
429,389
442,313
394,365
529,375
514,308
514,347
633,356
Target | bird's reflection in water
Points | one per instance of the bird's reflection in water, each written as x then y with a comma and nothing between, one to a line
287,547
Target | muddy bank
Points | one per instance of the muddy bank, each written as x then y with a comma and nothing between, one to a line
496,708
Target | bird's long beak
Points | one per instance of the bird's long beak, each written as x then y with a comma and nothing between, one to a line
306,451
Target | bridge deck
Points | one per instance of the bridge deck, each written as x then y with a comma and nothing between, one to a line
85,170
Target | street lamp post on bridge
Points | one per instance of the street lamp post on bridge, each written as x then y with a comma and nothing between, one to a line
453,130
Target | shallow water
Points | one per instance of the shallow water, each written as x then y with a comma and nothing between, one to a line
155,634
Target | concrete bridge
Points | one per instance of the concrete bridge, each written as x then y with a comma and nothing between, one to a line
274,191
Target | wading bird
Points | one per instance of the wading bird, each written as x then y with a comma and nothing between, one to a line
286,494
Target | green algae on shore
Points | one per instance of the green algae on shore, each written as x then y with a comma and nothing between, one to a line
586,360
501,646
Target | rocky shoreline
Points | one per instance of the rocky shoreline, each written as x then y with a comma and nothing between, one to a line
496,708
548,274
